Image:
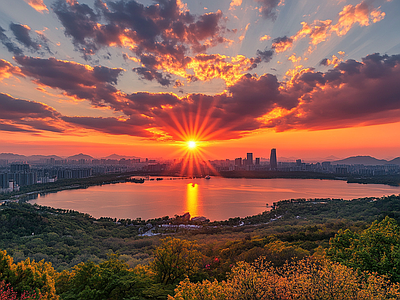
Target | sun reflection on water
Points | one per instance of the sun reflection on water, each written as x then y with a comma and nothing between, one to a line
192,199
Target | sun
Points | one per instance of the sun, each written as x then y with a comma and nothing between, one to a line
192,144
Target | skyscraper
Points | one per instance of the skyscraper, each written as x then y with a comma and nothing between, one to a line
272,160
249,159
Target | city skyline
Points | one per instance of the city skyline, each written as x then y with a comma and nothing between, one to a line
144,78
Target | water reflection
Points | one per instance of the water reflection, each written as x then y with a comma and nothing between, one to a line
192,199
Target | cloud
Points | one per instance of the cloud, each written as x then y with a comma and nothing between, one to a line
11,47
333,61
162,37
363,14
38,5
235,3
21,32
15,109
224,116
133,126
268,7
7,70
351,94
151,74
27,116
265,38
95,84
281,44
160,29
265,55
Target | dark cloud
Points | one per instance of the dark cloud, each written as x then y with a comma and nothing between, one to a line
268,8
27,116
323,62
13,128
81,81
159,34
150,75
21,33
265,55
135,126
351,94
11,47
15,109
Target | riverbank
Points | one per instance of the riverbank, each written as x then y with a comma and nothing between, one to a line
83,183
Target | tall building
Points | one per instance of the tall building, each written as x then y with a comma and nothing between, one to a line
249,160
238,161
272,159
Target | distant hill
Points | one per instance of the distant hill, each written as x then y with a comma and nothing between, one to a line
361,160
395,161
118,157
80,156
42,157
13,157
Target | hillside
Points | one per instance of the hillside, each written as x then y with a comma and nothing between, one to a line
361,160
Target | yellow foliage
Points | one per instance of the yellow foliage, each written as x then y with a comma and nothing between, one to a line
29,276
307,279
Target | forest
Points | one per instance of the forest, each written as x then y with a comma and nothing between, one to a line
298,249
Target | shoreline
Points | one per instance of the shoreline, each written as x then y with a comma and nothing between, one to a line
83,183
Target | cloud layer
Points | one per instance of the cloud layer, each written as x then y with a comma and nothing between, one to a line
350,94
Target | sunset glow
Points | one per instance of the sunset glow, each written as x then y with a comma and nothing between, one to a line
216,80
192,144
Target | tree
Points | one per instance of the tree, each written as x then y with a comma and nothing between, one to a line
8,293
308,279
175,259
111,279
376,249
28,276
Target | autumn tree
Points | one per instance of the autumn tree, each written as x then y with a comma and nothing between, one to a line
174,259
28,276
308,279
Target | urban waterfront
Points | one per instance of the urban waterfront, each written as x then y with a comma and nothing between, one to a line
216,199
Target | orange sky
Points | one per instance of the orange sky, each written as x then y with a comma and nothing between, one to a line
310,79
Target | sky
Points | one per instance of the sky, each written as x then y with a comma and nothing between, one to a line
310,78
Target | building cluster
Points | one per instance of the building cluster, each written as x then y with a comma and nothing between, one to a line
272,164
249,163
18,174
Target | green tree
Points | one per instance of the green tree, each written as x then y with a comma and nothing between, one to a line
175,259
376,249
111,279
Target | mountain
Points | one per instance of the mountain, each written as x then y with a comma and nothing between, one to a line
42,157
395,161
361,160
330,158
118,157
80,156
13,157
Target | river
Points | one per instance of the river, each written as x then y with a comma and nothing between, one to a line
217,198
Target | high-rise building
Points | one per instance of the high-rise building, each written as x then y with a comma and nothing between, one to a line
238,161
257,160
249,160
272,159
19,168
